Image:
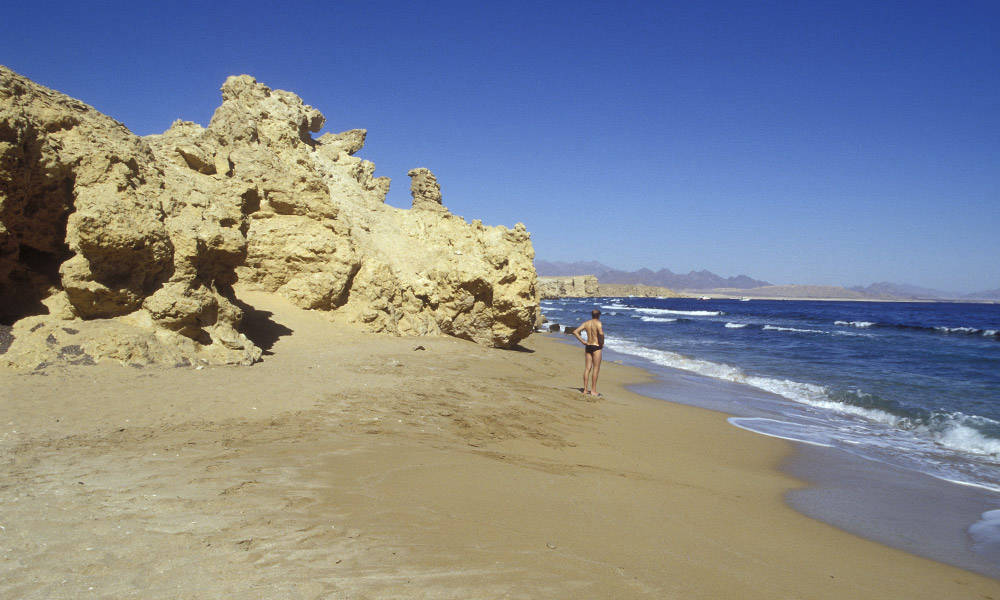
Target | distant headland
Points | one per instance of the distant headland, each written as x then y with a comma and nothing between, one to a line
665,283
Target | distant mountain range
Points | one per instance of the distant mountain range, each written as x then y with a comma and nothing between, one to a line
695,280
884,289
985,295
706,280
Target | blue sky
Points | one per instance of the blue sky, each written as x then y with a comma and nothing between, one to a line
798,142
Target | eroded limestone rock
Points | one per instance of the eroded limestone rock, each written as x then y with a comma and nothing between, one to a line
425,190
95,229
143,238
324,237
577,286
587,286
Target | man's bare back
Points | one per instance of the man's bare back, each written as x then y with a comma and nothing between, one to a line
594,331
593,349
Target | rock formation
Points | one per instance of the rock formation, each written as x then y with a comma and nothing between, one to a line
577,286
425,190
116,246
588,286
642,291
96,232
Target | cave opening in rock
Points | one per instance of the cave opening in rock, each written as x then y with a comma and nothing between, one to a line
36,198
45,264
29,282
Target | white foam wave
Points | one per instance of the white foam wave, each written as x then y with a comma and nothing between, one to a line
793,329
658,319
969,331
854,334
858,324
985,532
956,435
616,305
957,329
815,395
805,393
984,486
677,361
780,429
736,325
687,313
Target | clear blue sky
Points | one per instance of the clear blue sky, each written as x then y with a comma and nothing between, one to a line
798,142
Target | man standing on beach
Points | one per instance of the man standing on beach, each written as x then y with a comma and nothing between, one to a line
593,346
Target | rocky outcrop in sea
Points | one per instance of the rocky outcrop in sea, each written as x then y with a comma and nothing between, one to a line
588,286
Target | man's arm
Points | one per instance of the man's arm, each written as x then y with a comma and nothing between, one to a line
577,331
600,334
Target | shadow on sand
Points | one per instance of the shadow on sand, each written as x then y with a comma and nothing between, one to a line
520,348
259,328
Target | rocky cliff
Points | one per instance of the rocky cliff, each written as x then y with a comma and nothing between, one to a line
576,286
116,246
642,291
588,286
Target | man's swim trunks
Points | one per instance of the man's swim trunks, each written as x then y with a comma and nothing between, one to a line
591,348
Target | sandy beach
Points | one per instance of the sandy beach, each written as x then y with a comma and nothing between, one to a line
349,465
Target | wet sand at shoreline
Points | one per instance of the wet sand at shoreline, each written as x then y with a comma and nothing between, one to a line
347,465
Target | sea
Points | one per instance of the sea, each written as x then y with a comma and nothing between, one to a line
911,386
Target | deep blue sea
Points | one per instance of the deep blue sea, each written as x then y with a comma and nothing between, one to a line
914,385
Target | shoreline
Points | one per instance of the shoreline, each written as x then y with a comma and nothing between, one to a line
713,296
897,507
911,511
364,466
686,295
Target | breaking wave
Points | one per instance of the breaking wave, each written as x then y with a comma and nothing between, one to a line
985,532
792,329
990,333
858,324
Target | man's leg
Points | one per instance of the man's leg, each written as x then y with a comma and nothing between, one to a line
588,365
596,366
